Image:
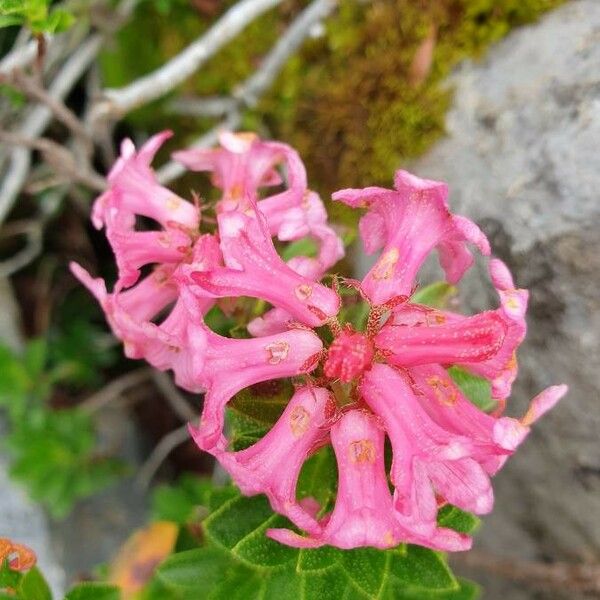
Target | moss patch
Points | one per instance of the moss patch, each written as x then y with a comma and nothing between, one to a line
349,101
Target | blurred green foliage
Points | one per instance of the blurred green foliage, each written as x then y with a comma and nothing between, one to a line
36,15
54,453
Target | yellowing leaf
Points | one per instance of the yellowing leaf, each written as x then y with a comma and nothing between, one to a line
138,558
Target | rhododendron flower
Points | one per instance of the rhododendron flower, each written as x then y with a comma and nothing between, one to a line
392,379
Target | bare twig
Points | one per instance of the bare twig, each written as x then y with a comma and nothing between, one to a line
21,57
114,389
215,106
118,102
297,32
37,121
250,91
32,230
31,87
173,396
583,578
59,158
161,451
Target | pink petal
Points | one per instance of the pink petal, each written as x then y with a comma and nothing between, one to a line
272,465
234,364
254,269
470,340
409,222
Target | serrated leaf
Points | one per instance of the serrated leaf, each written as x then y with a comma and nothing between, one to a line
330,584
239,583
199,569
423,569
94,590
477,389
466,590
366,568
239,526
317,559
457,519
264,402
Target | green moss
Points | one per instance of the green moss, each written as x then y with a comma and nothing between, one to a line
346,101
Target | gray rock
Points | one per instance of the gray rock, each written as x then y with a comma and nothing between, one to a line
522,158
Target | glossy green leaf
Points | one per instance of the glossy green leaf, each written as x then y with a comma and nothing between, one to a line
93,590
366,568
436,295
33,586
263,403
318,477
457,519
239,526
477,389
422,568
199,569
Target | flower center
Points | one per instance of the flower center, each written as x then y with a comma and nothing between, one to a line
349,356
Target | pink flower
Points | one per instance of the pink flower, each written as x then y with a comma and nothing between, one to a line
409,222
272,465
253,268
389,380
364,514
230,365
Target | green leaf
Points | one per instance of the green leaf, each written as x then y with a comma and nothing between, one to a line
239,526
264,402
94,591
33,586
318,477
467,590
239,561
181,502
317,559
422,568
304,247
199,569
9,578
366,568
457,519
436,295
330,584
477,389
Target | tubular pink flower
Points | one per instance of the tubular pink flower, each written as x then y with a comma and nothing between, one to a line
245,163
177,343
427,457
389,380
272,465
173,342
470,340
134,191
501,366
253,268
363,514
307,219
230,365
409,222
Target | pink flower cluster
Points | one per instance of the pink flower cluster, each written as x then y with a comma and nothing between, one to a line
389,380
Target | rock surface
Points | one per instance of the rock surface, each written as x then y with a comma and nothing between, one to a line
522,158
